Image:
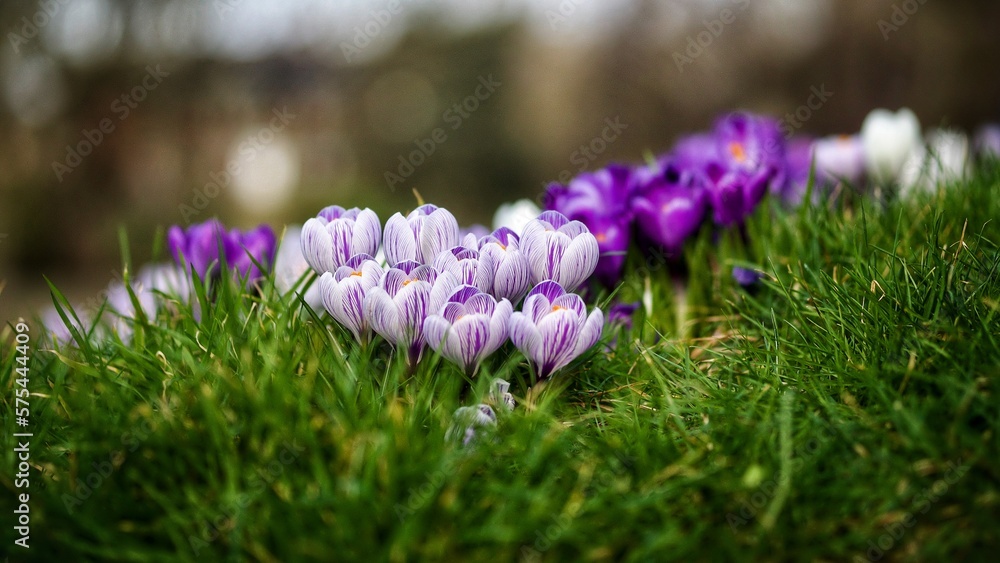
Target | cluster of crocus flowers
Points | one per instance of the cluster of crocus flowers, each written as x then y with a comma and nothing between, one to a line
455,294
204,247
722,176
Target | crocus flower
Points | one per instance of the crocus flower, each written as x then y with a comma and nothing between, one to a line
553,327
290,266
256,245
668,209
944,159
397,307
988,141
751,144
799,160
559,249
426,232
343,292
120,312
600,201
58,331
510,266
330,239
477,231
733,194
198,246
515,215
746,277
468,328
468,266
841,157
500,394
467,420
889,139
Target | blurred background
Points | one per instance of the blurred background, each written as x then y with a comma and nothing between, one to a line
142,114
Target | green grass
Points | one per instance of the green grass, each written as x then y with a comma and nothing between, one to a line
808,419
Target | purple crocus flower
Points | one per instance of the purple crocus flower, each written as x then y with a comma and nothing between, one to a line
621,314
748,159
331,238
426,232
510,266
600,201
987,141
746,277
560,250
668,209
256,245
397,307
840,157
469,327
343,292
552,328
799,162
198,246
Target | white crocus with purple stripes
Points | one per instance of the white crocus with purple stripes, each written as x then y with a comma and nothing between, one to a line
397,307
510,267
469,327
336,234
552,328
468,265
560,250
421,235
344,291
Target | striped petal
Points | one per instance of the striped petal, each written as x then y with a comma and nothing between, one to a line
367,233
579,261
590,333
499,326
526,337
317,246
438,233
559,330
382,314
399,242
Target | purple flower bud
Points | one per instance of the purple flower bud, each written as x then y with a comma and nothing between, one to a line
560,250
421,236
255,245
600,201
510,266
987,141
552,328
745,276
467,420
398,306
469,327
621,313
668,209
799,161
344,291
500,394
733,195
336,234
198,246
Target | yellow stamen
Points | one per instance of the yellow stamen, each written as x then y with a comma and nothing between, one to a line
736,149
357,273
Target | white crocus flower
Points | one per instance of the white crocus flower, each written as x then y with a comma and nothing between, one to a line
944,159
290,265
515,215
889,139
